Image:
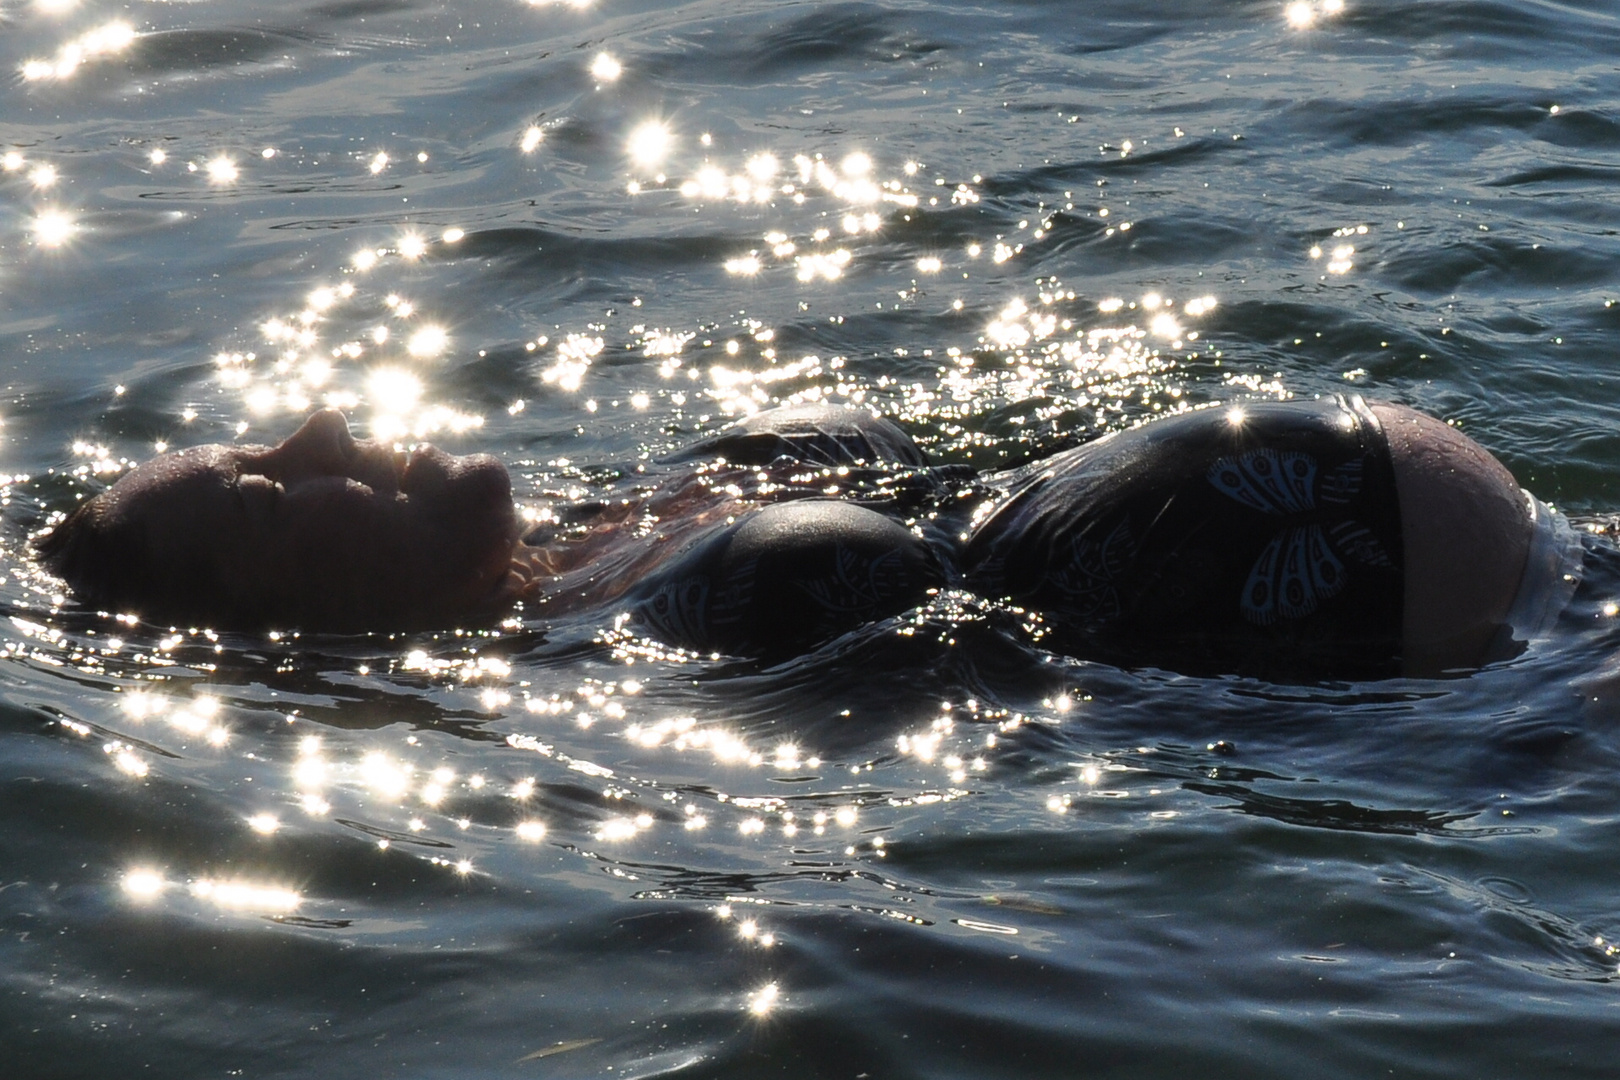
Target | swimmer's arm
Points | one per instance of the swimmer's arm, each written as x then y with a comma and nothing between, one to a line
623,543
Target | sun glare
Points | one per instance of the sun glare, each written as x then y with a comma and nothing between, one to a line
394,391
428,342
649,143
53,228
221,170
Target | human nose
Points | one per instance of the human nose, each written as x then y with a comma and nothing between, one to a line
322,446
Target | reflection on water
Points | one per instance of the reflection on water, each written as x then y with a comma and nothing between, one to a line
102,42
582,235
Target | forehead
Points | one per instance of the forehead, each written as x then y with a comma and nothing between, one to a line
183,477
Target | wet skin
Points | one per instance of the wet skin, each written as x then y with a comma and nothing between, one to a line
322,532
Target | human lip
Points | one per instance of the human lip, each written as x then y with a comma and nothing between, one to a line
423,471
473,478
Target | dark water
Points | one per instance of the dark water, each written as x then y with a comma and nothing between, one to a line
927,849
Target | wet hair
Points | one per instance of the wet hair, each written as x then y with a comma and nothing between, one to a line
105,558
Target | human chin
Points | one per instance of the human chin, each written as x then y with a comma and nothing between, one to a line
468,536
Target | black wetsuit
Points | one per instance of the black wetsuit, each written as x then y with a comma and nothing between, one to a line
1264,539
1259,539
791,575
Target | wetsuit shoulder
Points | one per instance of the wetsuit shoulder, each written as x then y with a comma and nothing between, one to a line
786,578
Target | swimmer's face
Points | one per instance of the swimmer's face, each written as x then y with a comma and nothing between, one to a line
323,532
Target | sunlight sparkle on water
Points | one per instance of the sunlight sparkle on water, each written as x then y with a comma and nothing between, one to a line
762,167
384,776
310,771
1164,325
649,143
1302,15
574,355
262,400
393,390
53,228
763,1000
104,40
617,829
140,704
531,139
246,896
221,170
428,342
127,760
829,266
606,68
143,884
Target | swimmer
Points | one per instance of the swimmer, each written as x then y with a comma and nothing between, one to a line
1291,539
326,532
323,531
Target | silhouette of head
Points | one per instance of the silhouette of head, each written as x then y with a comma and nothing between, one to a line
323,532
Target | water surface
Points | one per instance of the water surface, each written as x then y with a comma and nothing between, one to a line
581,236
